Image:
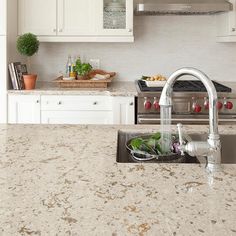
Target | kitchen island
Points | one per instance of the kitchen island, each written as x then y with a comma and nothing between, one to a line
64,180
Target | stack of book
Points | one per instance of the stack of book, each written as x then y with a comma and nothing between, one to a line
17,70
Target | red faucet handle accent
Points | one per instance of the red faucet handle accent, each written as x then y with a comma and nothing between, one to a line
229,105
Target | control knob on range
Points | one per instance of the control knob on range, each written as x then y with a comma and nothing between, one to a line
147,104
219,105
196,107
156,104
206,103
227,104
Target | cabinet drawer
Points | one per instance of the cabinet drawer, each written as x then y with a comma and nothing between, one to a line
76,103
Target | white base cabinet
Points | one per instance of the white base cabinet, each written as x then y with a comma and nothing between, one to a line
65,109
76,117
24,109
123,110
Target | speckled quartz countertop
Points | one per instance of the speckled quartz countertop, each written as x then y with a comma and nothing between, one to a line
64,180
49,88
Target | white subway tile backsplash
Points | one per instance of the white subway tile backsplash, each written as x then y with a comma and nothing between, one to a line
162,45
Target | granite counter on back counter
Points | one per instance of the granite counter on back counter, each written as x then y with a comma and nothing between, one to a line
64,180
49,88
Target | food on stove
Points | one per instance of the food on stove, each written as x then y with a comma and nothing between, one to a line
154,78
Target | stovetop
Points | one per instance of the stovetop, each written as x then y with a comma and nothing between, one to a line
185,86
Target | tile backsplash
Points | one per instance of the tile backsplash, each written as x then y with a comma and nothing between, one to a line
162,45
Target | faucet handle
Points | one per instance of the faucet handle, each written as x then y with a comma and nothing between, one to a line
181,140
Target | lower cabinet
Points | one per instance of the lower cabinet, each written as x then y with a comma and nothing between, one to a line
66,109
24,109
123,110
76,117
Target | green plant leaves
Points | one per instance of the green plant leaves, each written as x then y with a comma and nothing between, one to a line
82,69
27,44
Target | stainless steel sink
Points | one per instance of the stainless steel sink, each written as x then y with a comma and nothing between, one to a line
123,155
228,148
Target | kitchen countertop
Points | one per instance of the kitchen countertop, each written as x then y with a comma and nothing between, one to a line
48,88
118,88
64,180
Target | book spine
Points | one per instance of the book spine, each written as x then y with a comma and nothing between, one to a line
15,76
12,77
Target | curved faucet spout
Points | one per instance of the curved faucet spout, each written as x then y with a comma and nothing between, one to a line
166,96
212,147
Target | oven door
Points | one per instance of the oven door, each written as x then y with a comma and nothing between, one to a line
147,119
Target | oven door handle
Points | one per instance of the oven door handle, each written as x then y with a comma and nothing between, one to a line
158,120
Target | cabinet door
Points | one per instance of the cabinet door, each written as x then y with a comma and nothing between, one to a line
38,17
123,110
232,19
3,17
76,117
3,80
24,109
115,17
76,17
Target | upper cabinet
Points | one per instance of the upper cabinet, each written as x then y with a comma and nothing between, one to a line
38,17
76,17
3,17
227,25
77,20
115,17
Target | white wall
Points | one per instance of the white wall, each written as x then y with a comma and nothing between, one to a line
162,45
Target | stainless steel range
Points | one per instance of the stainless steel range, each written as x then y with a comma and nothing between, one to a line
190,103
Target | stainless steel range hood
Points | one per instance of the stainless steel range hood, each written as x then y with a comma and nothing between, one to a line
182,7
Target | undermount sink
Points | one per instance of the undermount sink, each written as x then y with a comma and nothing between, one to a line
228,148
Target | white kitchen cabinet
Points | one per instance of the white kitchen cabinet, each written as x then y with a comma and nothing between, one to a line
115,18
76,17
3,17
124,110
76,20
3,79
76,109
24,109
76,117
226,23
38,17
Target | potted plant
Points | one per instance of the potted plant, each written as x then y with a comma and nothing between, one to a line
82,69
28,45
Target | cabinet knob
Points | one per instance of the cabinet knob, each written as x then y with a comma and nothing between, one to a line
60,30
130,30
37,101
59,103
233,29
54,30
131,104
95,103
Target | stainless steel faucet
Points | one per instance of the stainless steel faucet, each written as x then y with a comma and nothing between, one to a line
212,147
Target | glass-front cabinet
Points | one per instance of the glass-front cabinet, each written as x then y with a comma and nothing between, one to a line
116,17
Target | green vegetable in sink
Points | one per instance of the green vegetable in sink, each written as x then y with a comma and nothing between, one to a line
150,145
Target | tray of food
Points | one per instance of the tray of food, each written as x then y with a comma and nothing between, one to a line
95,79
154,81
